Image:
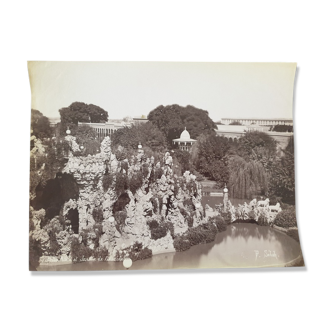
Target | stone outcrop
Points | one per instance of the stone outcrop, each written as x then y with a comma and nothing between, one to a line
162,197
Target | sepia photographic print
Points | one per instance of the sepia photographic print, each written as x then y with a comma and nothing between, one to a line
162,165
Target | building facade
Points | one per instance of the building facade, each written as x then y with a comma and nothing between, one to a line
260,121
184,143
105,129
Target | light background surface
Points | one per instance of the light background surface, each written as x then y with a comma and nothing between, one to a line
259,90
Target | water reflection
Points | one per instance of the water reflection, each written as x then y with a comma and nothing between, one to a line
241,245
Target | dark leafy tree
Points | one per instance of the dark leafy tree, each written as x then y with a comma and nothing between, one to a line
247,178
283,175
40,125
212,158
256,145
172,120
86,137
282,128
145,133
81,112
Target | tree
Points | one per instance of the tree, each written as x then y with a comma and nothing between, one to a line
81,112
247,178
256,145
40,125
145,133
172,120
212,157
183,158
86,137
282,128
283,175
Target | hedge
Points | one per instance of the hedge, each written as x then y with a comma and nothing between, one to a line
286,218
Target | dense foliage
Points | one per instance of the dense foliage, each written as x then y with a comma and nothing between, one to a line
79,251
81,112
213,157
286,218
145,133
157,231
283,175
107,181
97,214
40,125
86,137
135,181
247,178
134,252
172,120
282,128
181,243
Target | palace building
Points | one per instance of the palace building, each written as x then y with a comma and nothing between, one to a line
105,129
258,121
184,143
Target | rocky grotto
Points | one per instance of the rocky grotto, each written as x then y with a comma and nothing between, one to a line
121,205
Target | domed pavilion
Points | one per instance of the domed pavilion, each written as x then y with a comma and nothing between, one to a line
184,142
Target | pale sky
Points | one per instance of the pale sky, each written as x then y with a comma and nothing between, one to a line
252,90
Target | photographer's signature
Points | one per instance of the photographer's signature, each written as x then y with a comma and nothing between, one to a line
266,253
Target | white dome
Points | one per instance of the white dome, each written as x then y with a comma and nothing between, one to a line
185,135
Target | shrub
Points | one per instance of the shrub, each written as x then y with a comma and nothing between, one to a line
176,189
135,252
143,254
107,181
97,214
158,172
262,221
121,183
154,204
124,165
145,170
181,243
220,223
79,251
286,218
209,231
153,224
120,218
227,216
195,236
188,203
251,215
157,230
101,254
121,203
190,220
170,228
160,201
135,182
35,252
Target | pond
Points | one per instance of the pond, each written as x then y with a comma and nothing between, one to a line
241,245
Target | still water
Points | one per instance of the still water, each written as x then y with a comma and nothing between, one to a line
241,245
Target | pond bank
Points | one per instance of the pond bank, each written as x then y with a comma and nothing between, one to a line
240,246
